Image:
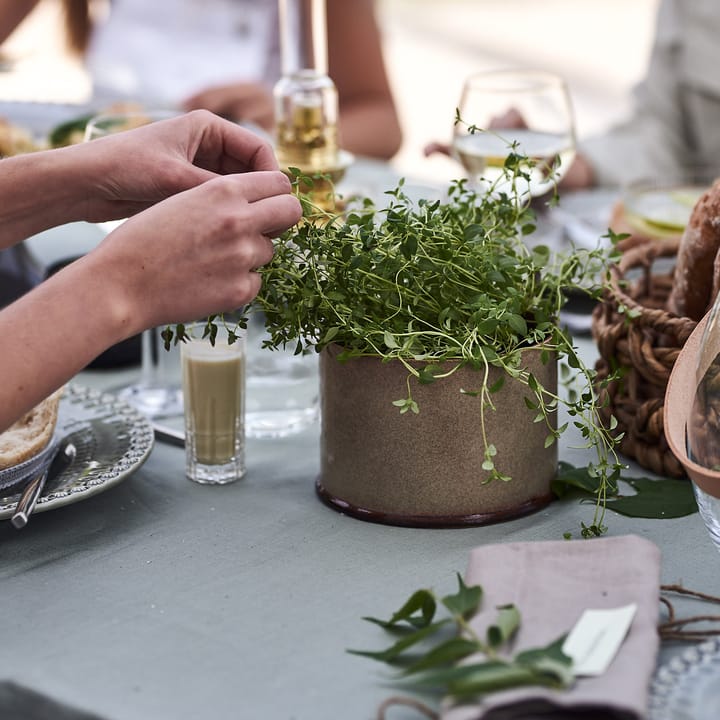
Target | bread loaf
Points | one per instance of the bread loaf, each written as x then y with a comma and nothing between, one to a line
31,433
692,291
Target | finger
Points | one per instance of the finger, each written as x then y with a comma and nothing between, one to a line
225,147
264,252
262,184
274,215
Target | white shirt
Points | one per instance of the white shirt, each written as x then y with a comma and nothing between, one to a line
676,120
162,51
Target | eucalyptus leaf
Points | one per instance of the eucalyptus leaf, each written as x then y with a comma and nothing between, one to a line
505,626
407,641
446,652
418,610
466,601
656,498
579,478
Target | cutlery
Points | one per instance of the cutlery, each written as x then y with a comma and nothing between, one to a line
63,457
165,433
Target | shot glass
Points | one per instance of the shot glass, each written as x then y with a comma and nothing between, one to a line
214,407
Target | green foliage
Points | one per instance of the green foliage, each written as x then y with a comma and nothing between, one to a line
448,657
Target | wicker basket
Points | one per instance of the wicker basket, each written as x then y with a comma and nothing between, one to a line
644,341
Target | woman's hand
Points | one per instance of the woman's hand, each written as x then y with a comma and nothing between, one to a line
195,253
119,175
132,170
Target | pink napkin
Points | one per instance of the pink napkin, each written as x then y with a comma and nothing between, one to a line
551,583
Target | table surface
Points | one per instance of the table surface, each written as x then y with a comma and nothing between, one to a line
161,599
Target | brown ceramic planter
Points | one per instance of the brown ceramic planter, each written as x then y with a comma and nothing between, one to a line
425,470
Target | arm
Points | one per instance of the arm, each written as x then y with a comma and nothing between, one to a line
192,253
369,123
123,174
12,13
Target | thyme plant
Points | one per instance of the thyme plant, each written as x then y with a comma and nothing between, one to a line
428,282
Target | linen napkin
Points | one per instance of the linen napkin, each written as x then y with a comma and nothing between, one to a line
552,583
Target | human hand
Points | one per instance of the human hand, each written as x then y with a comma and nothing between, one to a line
195,253
126,172
242,102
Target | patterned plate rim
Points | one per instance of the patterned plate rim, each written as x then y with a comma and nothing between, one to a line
104,476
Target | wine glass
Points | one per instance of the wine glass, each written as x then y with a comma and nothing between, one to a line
158,392
526,112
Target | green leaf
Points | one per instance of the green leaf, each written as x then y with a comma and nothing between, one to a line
660,498
551,650
445,653
466,681
466,601
393,652
549,660
569,477
418,610
389,340
506,624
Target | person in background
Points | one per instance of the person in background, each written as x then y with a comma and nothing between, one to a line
675,123
205,198
224,56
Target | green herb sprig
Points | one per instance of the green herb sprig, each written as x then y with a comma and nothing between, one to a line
438,655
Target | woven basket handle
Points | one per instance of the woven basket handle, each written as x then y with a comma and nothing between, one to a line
679,398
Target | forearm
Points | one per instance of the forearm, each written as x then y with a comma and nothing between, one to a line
370,128
53,332
38,191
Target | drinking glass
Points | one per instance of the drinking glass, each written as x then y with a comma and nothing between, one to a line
526,112
214,390
158,392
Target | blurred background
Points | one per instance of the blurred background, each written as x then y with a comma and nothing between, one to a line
601,48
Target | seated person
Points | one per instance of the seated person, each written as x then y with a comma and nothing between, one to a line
224,56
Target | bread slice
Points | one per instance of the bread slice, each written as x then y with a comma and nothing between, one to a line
31,433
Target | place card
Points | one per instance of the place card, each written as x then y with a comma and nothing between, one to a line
596,638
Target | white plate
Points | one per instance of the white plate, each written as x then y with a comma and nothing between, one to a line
688,686
112,440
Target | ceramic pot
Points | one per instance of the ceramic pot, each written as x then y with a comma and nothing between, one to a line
425,470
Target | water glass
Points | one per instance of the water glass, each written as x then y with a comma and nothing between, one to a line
213,377
282,388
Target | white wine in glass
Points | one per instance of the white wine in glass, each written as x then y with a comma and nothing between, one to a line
158,392
522,112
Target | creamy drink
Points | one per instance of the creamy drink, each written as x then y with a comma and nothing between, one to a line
214,399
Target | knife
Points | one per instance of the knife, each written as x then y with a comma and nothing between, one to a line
62,458
168,434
